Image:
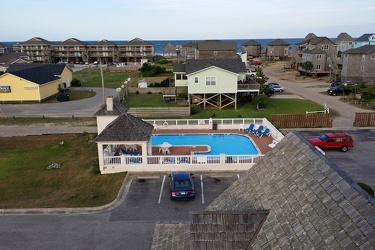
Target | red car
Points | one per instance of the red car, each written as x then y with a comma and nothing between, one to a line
253,62
333,140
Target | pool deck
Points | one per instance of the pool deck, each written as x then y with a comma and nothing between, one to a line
261,143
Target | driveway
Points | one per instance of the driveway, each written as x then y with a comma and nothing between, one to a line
81,108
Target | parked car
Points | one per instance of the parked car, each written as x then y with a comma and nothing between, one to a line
340,140
182,186
62,96
254,62
338,90
276,87
336,83
251,73
266,89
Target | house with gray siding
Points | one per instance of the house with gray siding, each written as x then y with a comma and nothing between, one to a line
359,64
169,49
343,42
215,49
104,51
71,50
317,57
252,48
277,49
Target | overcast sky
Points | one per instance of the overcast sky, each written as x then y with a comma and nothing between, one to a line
94,20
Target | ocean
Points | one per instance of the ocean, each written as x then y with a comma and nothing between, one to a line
159,44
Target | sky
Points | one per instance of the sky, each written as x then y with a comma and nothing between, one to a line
122,20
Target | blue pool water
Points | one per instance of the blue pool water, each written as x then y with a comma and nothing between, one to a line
229,144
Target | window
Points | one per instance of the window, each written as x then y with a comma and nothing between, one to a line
362,68
196,79
319,57
363,57
325,47
178,76
210,80
373,57
350,43
318,67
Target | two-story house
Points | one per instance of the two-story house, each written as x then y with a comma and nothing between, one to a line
343,42
252,48
359,65
213,82
365,39
71,50
170,50
37,48
188,50
277,49
215,49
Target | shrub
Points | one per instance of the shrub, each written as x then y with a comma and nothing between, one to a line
137,92
194,109
261,101
149,92
76,83
151,70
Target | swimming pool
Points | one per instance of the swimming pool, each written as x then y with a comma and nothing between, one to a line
229,144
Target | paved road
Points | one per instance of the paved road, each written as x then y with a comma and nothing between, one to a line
82,108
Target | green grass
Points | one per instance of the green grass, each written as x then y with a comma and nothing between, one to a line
74,95
76,121
276,106
93,77
25,181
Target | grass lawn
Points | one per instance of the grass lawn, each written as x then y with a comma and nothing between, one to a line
276,106
74,95
25,181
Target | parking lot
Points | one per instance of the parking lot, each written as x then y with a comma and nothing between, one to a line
148,197
359,161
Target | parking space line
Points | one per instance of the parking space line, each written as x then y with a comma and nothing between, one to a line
238,176
161,189
202,189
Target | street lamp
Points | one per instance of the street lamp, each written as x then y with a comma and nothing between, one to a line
178,55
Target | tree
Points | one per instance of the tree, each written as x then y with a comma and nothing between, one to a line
261,101
307,66
261,78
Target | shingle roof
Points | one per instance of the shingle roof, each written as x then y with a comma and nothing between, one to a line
232,65
37,73
126,128
137,41
314,51
251,43
278,42
35,41
118,109
103,42
72,42
217,45
313,203
365,49
344,37
364,37
9,58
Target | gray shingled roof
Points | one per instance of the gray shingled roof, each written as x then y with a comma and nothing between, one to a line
36,41
126,128
37,73
103,42
217,45
343,37
72,42
313,203
365,49
314,51
137,41
191,66
278,42
364,37
251,43
118,109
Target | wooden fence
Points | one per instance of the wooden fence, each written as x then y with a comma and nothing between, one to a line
364,119
301,120
164,112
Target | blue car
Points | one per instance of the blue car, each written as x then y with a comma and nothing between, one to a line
182,186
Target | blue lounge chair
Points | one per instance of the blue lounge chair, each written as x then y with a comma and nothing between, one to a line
250,128
266,132
256,131
124,152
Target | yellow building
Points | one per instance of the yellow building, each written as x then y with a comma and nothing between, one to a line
33,82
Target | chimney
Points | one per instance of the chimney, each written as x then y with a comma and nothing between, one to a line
109,102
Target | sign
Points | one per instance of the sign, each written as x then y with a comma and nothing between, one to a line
5,89
30,87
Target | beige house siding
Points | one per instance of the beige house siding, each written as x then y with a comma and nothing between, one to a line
217,54
226,82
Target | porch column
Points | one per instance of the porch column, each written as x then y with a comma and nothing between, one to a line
235,101
100,157
144,153
149,147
